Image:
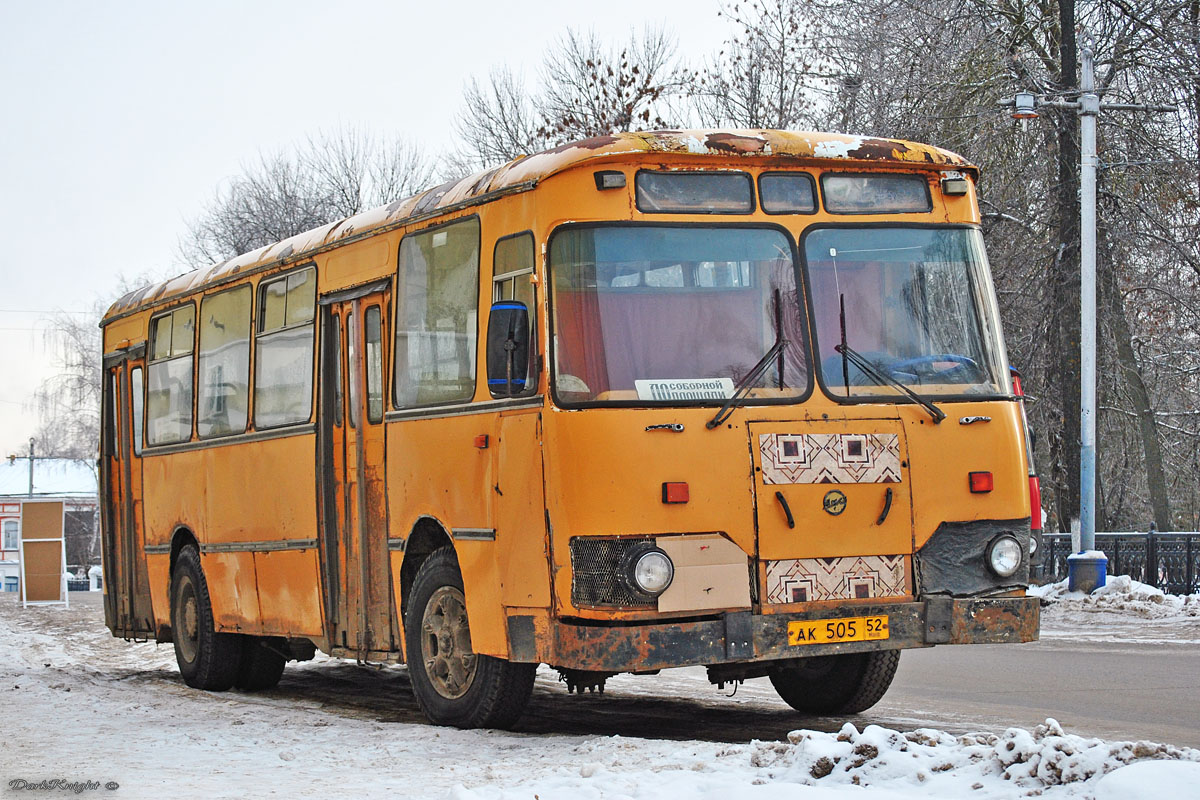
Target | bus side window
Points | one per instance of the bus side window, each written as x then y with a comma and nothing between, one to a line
512,279
135,392
169,376
436,315
222,393
283,368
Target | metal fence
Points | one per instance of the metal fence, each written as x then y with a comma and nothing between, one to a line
1170,561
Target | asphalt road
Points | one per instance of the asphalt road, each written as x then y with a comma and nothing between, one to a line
1110,690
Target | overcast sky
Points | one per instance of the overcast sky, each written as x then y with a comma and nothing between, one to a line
121,119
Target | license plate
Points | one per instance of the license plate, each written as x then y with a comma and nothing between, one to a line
846,629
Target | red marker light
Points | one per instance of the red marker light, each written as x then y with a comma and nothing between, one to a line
481,441
980,482
674,493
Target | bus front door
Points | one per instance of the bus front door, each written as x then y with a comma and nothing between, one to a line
127,606
357,575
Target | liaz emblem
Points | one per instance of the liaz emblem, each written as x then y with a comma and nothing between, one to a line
834,502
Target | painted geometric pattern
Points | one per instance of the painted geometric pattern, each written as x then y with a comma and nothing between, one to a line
806,580
830,457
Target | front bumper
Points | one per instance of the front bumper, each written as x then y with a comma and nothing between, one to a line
747,637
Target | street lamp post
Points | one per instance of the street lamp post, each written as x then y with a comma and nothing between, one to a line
1085,569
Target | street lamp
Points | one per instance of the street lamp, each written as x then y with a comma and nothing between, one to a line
1086,568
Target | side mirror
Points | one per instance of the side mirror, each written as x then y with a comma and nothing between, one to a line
507,348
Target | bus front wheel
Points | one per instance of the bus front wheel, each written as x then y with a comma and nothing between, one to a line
207,659
454,685
846,683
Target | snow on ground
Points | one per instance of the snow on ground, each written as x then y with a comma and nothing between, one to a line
1123,610
81,706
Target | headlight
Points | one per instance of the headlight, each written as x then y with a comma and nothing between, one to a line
1004,555
650,571
1033,545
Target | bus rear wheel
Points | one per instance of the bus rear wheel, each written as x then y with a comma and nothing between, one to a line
207,659
262,665
454,685
846,683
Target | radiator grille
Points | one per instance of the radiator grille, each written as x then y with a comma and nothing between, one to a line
596,572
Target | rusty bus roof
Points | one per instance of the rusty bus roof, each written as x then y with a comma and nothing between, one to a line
524,173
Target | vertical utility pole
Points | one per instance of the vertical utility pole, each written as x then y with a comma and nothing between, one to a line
1089,108
31,466
1086,569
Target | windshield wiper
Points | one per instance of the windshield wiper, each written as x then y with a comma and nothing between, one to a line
870,370
743,387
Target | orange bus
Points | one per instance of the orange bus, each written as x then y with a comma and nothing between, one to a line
737,399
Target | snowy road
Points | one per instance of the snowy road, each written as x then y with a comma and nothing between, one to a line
80,705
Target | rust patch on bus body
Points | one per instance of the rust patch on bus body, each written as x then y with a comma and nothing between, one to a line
1007,620
735,143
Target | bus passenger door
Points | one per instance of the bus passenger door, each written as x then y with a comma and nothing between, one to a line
354,531
127,606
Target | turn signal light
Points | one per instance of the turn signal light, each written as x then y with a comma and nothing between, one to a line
980,482
675,493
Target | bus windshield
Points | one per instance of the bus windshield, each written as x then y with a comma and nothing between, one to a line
674,314
918,305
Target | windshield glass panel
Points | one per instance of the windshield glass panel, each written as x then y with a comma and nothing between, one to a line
673,315
918,304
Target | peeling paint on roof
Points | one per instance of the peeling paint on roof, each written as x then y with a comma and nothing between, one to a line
527,171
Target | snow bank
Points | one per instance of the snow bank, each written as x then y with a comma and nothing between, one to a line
1123,593
924,763
1123,610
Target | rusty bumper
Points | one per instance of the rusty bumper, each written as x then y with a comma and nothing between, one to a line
748,637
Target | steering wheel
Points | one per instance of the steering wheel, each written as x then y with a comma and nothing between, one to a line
924,367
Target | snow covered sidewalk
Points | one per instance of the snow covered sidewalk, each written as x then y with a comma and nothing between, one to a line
1123,610
81,706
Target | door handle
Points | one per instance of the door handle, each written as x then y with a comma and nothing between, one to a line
887,506
783,502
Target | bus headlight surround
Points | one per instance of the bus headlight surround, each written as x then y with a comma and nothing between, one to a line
649,571
1004,555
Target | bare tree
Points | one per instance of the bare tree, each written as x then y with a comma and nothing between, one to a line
586,89
498,123
333,176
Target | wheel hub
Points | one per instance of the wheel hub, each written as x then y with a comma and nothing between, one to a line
446,645
189,622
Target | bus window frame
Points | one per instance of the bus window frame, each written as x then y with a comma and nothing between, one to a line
257,317
533,378
151,360
751,185
897,397
804,310
394,315
812,183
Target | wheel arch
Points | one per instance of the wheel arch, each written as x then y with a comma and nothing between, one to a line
427,536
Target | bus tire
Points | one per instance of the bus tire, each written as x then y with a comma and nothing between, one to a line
452,684
207,659
261,666
846,683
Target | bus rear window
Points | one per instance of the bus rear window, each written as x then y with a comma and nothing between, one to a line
876,194
694,193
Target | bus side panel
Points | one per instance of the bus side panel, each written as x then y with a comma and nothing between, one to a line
231,587
244,507
436,470
520,514
289,593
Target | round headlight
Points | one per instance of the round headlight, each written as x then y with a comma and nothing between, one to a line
1033,545
652,572
1004,555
